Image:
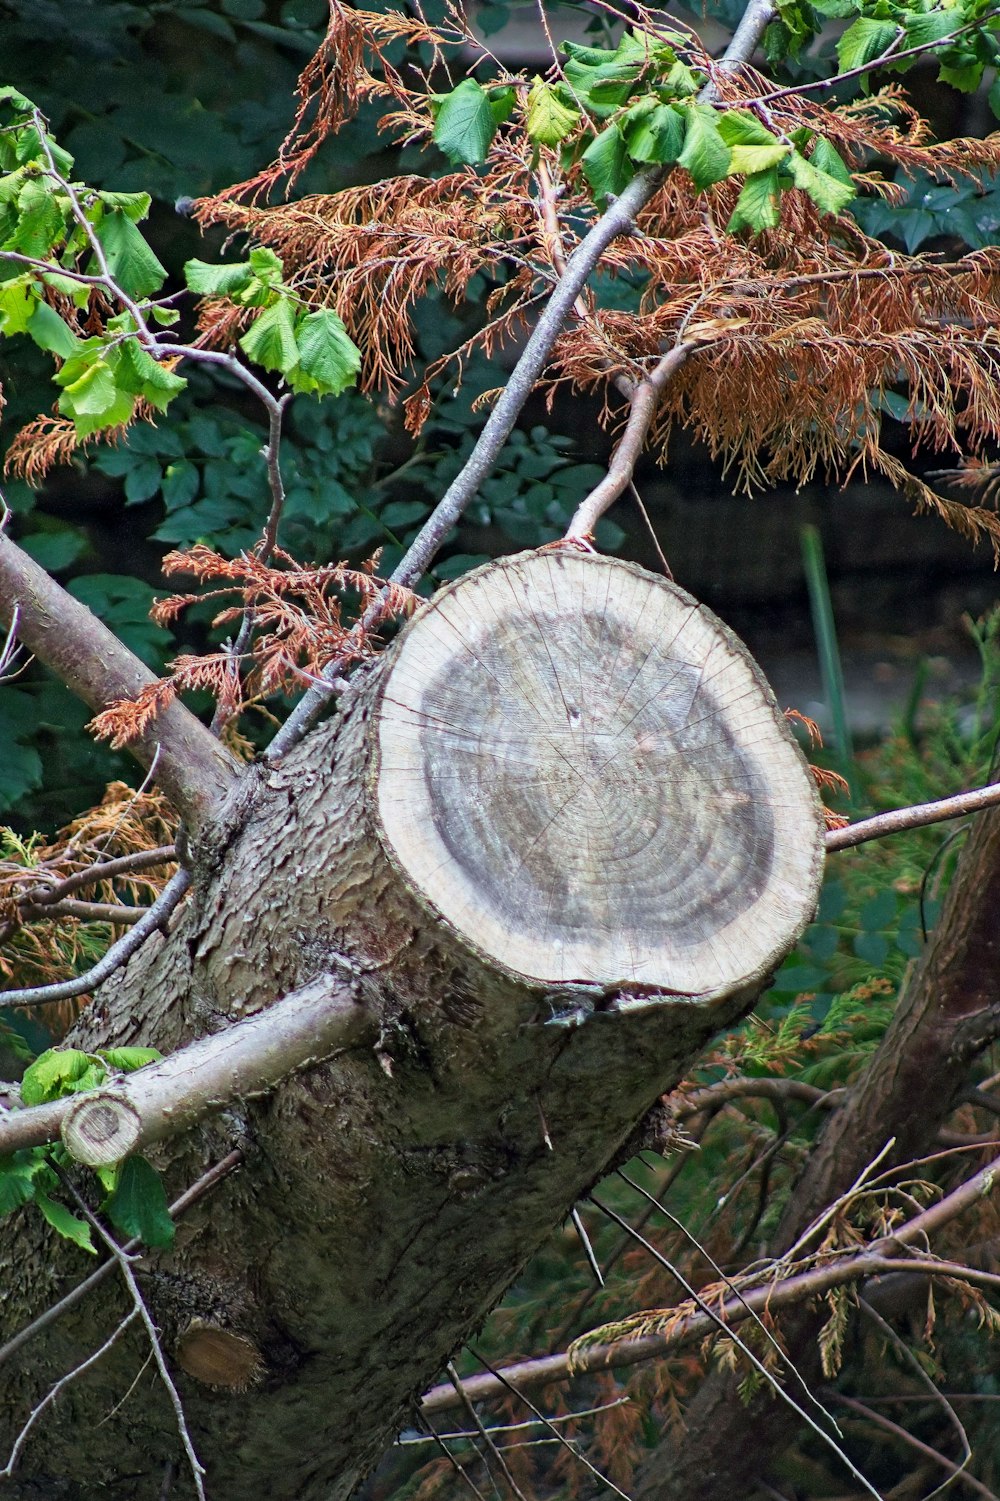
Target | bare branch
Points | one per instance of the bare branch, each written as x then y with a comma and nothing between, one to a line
153,919
195,771
113,912
101,870
955,1470
915,817
59,1387
181,1204
644,401
124,1263
167,1098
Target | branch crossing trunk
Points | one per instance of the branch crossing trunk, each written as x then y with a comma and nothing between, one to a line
555,838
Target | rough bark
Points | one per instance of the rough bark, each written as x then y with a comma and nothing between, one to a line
949,1010
391,1195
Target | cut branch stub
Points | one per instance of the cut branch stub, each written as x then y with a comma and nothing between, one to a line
585,774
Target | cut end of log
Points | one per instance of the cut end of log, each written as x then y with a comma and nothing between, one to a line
584,772
100,1129
218,1357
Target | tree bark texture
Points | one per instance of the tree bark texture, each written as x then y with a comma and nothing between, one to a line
554,840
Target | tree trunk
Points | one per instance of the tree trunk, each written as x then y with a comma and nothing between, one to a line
555,838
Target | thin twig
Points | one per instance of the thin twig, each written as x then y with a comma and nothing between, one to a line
486,1437
956,1471
59,1387
906,1354
890,55
745,1350
915,817
124,1262
181,1205
153,919
734,1289
549,1423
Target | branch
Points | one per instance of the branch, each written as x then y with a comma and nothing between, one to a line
914,817
644,401
181,1205
153,918
100,870
890,55
765,1298
124,1263
113,912
164,1099
955,1470
617,219
194,770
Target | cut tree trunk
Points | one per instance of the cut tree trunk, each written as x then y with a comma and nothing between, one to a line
555,839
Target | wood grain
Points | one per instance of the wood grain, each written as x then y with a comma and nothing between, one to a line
584,772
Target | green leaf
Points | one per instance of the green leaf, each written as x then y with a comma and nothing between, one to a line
654,135
17,1178
964,76
759,204
18,301
606,163
166,317
139,374
142,481
51,332
549,120
127,1060
41,221
740,128
829,160
752,159
134,205
830,195
55,1073
130,260
266,266
180,484
932,26
502,103
56,549
864,41
270,339
326,351
138,1205
68,1224
464,126
216,281
92,392
706,155
994,98
17,101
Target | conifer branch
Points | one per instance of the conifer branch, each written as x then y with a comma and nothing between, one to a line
888,1252
617,219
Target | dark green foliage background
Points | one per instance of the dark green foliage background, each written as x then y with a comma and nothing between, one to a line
181,100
